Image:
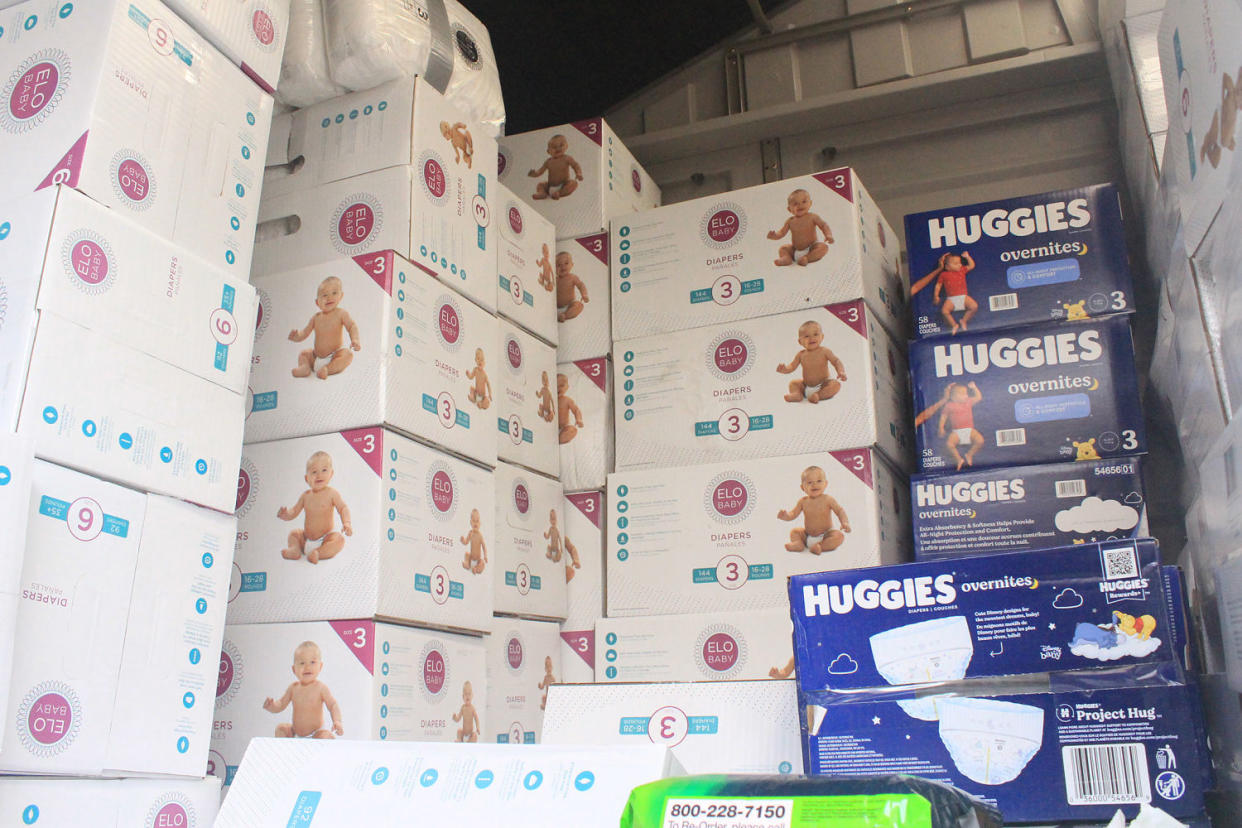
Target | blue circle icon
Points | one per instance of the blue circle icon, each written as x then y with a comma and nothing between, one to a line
166,454
383,105
629,370
200,606
208,560
392,494
246,153
385,648
625,287
397,350
392,514
624,231
392,535
629,414
66,10
250,118
196,655
623,522
623,537
183,744
392,474
384,690
126,440
200,466
31,22
623,555
340,119
1170,785
325,123
610,639
623,506
5,475
584,781
380,776
629,385
353,114
484,779
611,672
188,700
429,777
5,229
229,256
240,190
31,815
384,732
368,109
235,223
533,780
384,668
383,711
89,428
784,767
400,313
629,356
611,655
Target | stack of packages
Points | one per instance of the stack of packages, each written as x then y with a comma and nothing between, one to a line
134,152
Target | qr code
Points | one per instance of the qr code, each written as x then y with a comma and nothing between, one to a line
1120,563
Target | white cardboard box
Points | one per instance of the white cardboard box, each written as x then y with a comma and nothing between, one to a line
16,472
415,367
529,560
125,102
523,661
584,418
388,683
526,401
719,393
583,297
710,727
584,542
251,33
608,181
339,783
121,613
526,266
713,260
717,537
110,803
409,506
711,646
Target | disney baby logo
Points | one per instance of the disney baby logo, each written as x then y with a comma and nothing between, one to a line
435,670
88,261
34,90
720,652
355,220
723,225
727,497
448,325
441,489
729,356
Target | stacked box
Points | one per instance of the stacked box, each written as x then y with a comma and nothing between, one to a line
523,662
584,588
525,266
16,475
526,413
584,408
530,553
64,803
251,34
583,297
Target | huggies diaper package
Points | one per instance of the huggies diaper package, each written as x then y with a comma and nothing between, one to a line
525,266
585,431
719,646
526,401
350,343
1027,507
584,573
823,378
359,524
583,297
127,103
1019,261
252,33
787,245
1041,394
530,556
725,536
523,662
120,613
578,175
1091,605
711,727
16,478
144,803
350,679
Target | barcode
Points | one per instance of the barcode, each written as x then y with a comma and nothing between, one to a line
1011,437
1106,774
1003,301
1120,563
1072,488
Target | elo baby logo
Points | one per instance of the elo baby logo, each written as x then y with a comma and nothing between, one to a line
247,487
263,316
263,28
355,220
729,357
515,652
435,670
448,323
173,810
636,179
723,225
442,490
513,354
132,182
728,497
49,718
230,674
433,178
88,261
34,90
720,651
521,498
516,223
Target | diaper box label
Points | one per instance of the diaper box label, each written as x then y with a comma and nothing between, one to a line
726,536
352,342
1091,605
578,175
523,662
584,410
585,544
358,524
148,803
252,34
530,556
1019,261
721,646
583,297
784,246
526,266
526,414
711,727
1042,394
1028,507
127,103
821,379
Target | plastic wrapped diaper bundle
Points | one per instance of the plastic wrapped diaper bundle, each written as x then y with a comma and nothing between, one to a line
304,76
990,741
926,651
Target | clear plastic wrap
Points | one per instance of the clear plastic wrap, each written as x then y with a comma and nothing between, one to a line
304,76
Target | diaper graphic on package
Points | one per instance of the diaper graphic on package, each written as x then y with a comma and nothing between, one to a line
991,741
925,651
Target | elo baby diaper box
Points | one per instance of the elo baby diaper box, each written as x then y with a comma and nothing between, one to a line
578,175
584,588
711,727
529,559
823,378
583,297
725,536
350,679
351,342
1019,261
1041,394
16,461
525,266
526,401
787,245
251,33
127,103
360,524
143,803
120,613
584,409
523,661
1027,507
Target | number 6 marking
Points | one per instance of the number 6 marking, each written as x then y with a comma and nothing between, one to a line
223,326
85,519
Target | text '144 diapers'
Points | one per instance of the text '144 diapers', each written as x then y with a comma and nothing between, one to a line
726,536
530,556
584,573
127,103
799,243
583,300
820,379
526,401
352,342
523,662
584,410
1019,261
360,524
1042,394
251,33
526,280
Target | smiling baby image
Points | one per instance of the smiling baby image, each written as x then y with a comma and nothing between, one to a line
329,355
318,539
817,509
816,383
804,245
309,696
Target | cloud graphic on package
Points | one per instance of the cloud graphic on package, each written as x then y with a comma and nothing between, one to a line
842,665
1096,515
1068,599
1134,498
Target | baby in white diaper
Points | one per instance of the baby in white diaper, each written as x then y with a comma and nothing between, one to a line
805,246
816,383
950,279
309,696
817,509
328,355
567,283
318,539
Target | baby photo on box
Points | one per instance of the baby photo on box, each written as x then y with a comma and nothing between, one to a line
584,572
526,401
584,419
523,662
531,554
526,281
583,297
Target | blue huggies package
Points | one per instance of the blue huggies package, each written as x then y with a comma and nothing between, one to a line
1020,261
1043,394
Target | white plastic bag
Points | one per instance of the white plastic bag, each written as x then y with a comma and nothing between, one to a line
304,76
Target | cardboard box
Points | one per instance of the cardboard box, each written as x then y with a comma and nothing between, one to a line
714,260
339,783
523,662
585,542
125,102
719,394
415,367
607,181
1043,394
410,509
710,727
1028,507
251,34
526,390
529,558
74,803
526,266
16,473
583,297
121,611
387,682
1019,261
584,408
714,646
717,537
